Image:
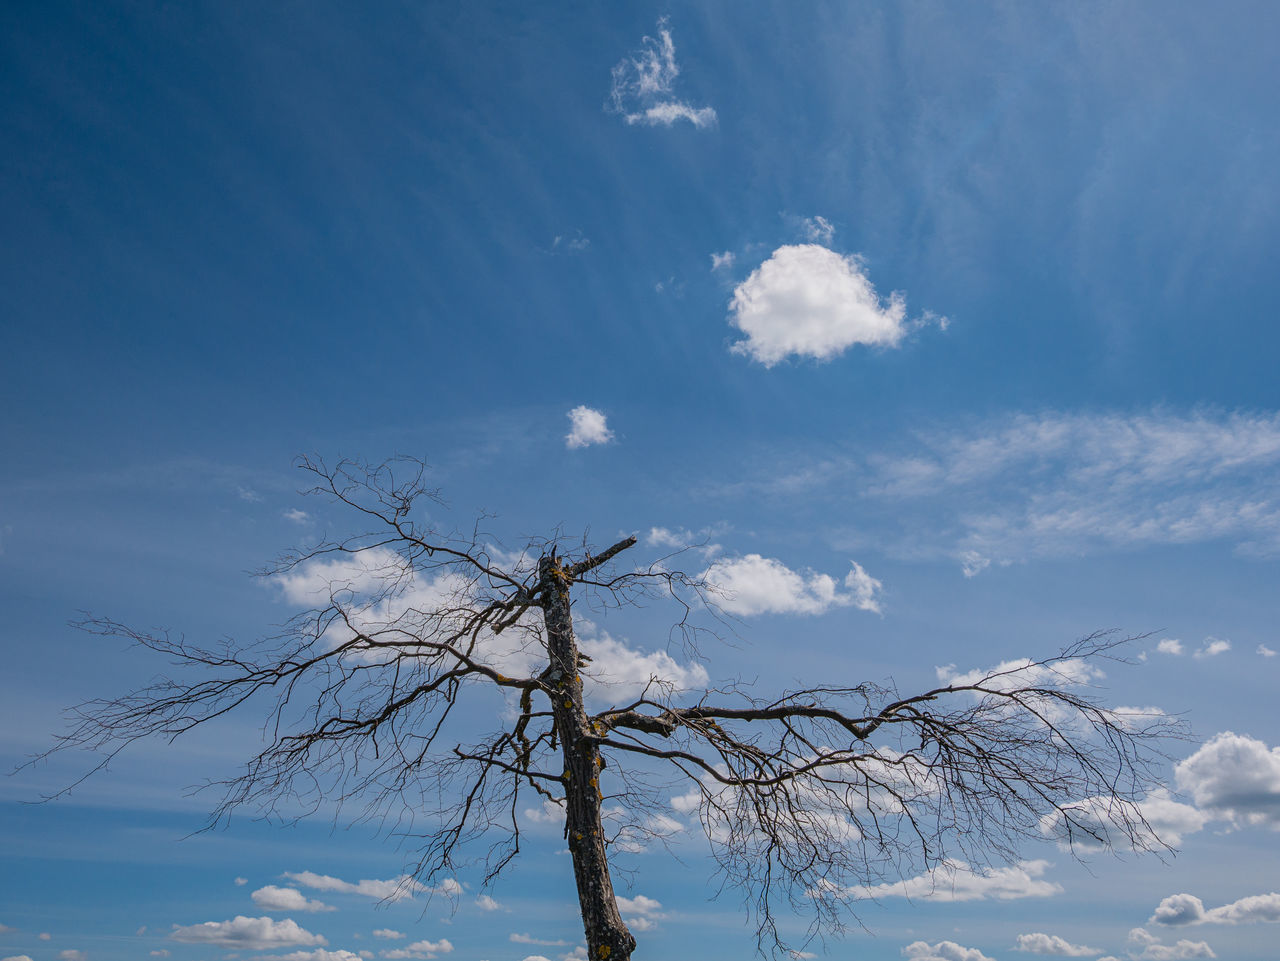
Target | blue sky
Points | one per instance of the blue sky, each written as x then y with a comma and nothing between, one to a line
958,319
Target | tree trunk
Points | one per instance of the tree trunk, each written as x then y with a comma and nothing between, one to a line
607,936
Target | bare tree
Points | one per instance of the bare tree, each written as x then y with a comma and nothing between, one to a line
809,797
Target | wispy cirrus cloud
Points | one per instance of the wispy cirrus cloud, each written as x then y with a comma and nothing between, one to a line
1055,484
643,87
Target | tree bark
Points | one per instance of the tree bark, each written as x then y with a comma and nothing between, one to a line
607,936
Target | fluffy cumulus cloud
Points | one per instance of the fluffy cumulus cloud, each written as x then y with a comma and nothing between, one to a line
388,934
957,881
808,301
247,934
643,88
1212,647
1090,825
1235,778
1151,948
1265,651
1170,645
641,913
1052,944
1183,909
587,426
395,889
753,584
420,950
485,903
272,898
942,951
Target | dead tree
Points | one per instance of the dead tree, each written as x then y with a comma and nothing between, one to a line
808,797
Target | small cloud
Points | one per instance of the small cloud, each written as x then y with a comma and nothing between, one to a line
241,882
529,939
1185,909
137,934
274,898
753,584
1052,944
297,516
247,934
70,954
388,934
722,261
420,949
1154,950
1213,646
246,494
565,243
18,957
1170,646
160,953
808,301
818,230
486,903
972,563
942,951
588,426
643,85
1266,651
44,936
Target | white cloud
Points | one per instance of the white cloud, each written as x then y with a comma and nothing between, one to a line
723,261
641,913
486,903
972,563
643,86
71,954
956,881
1170,646
1039,943
1023,672
247,934
1154,950
808,301
818,230
1266,651
1093,827
1182,909
297,516
420,949
18,957
1212,647
44,936
530,939
616,669
159,953
274,898
395,889
942,951
1236,778
753,584
241,882
319,954
1049,485
388,934
587,426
